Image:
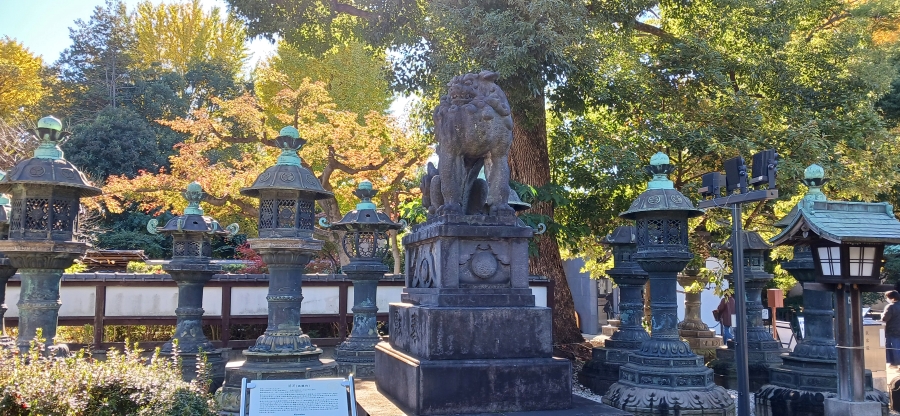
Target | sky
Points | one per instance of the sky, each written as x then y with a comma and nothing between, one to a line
43,25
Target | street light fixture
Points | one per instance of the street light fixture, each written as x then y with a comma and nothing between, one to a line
763,183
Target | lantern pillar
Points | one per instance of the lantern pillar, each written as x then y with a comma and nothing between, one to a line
664,376
764,352
46,191
365,241
602,370
191,269
702,340
287,193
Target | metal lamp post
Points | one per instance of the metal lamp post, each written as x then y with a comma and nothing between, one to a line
366,243
602,370
736,184
763,351
46,191
190,268
287,195
6,270
664,376
842,243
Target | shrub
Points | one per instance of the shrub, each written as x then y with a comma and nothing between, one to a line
124,384
141,267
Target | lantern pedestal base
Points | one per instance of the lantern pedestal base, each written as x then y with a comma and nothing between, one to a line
602,371
762,357
664,377
359,363
271,366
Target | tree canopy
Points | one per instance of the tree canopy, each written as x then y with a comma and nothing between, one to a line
20,80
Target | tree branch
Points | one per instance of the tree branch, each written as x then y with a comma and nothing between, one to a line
220,202
833,20
653,30
351,10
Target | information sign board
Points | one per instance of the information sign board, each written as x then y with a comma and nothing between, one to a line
313,397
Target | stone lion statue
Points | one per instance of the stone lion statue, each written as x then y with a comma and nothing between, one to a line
473,127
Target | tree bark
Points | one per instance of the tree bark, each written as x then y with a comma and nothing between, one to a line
529,162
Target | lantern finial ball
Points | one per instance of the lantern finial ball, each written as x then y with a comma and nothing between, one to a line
194,187
814,171
289,131
50,122
365,184
659,158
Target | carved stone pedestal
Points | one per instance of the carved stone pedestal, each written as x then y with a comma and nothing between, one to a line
602,371
467,337
356,355
702,340
610,328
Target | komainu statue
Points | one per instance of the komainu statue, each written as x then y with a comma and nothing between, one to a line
473,127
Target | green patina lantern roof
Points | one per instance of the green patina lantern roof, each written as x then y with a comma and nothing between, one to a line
288,173
623,234
661,195
192,220
47,166
752,241
366,216
836,221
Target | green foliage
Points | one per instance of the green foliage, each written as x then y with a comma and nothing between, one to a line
123,384
20,80
141,267
117,142
76,267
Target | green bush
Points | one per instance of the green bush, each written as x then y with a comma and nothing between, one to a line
141,267
124,384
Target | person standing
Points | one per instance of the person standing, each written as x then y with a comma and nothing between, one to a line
891,319
724,313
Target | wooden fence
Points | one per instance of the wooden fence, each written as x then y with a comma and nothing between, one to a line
101,299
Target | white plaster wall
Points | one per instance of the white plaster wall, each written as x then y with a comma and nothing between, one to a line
212,301
12,298
249,301
141,301
76,301
540,295
316,300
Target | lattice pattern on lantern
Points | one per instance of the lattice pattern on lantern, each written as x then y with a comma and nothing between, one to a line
207,249
15,215
671,233
307,215
63,214
36,215
267,213
366,244
286,213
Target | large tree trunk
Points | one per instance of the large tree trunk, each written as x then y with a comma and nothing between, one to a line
529,162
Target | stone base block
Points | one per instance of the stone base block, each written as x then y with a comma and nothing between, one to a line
772,400
359,363
602,370
761,362
835,407
432,333
436,387
258,366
